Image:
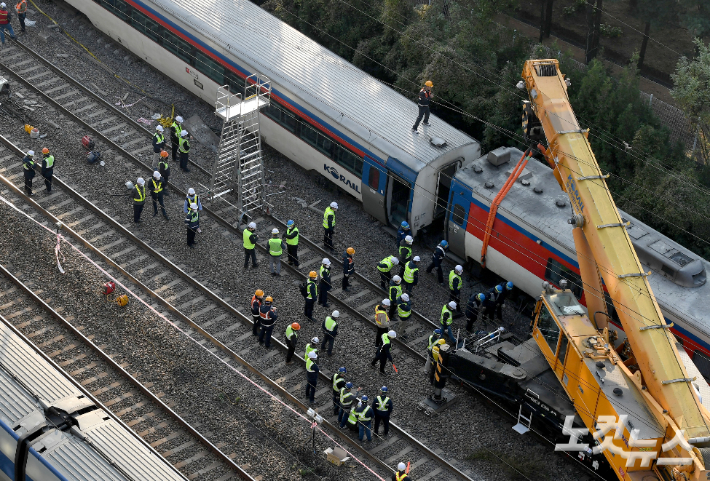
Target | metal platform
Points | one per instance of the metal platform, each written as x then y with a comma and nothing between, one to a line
239,108
433,408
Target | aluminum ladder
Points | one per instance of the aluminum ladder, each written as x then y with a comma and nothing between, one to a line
239,167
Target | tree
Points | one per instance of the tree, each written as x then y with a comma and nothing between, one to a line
695,16
654,13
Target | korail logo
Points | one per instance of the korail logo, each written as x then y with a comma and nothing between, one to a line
338,176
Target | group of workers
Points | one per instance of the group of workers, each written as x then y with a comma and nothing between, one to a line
47,170
179,142
6,17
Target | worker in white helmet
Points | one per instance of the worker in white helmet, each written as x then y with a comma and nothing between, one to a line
138,199
401,474
330,331
324,284
405,253
411,274
193,225
329,225
383,352
28,169
312,371
446,319
175,130
158,144
156,188
184,149
192,198
455,285
249,236
275,251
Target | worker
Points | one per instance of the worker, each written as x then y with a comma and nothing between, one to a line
291,238
383,352
184,148
403,232
502,296
491,305
324,285
329,225
191,198
382,320
405,253
385,267
425,97
365,421
475,302
330,331
164,169
346,401
175,131
433,338
436,258
455,285
401,474
435,358
47,169
158,144
411,275
311,346
291,336
193,224
338,382
21,9
249,237
382,405
348,267
28,169
275,251
311,295
395,292
138,199
256,300
404,307
268,317
352,419
447,317
312,371
156,193
5,17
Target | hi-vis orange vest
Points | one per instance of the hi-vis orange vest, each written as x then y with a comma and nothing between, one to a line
21,7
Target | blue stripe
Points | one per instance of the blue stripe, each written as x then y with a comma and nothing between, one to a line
7,465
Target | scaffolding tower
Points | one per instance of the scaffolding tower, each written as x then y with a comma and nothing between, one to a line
239,167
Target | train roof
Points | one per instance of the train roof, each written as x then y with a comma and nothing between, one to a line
351,98
31,385
541,206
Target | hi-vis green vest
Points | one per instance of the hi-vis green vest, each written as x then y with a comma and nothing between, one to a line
309,348
409,273
449,318
183,145
388,262
453,275
294,241
275,248
247,243
330,324
328,212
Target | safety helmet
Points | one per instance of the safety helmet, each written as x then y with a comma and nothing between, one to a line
481,297
30,153
274,231
315,340
452,305
348,385
2,5
312,274
259,293
392,334
396,279
45,150
409,239
499,288
289,223
405,297
429,83
269,299
193,206
458,269
509,286
443,243
405,224
163,153
140,181
437,331
384,389
386,302
156,175
122,300
402,466
441,341
312,355
251,225
178,119
342,370
159,128
296,326
326,261
334,205
335,314
364,398
184,133
190,191
416,259
395,261
350,250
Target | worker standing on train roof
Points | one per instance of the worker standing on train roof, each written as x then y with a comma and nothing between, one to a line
404,307
191,198
329,225
403,232
383,352
193,224
330,332
47,169
364,420
382,320
291,336
425,97
291,238
405,253
249,237
184,148
433,339
138,199
385,268
311,295
455,285
28,169
312,371
473,307
382,405
158,144
348,267
311,346
256,300
338,381
21,9
436,259
164,169
446,319
324,285
156,193
268,318
346,399
5,17
411,275
395,291
401,473
175,130
275,251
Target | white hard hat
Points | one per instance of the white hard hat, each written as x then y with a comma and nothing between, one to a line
252,225
30,153
452,305
405,297
385,302
392,334
401,467
326,261
178,119
140,181
416,259
156,174
458,269
275,231
397,279
336,314
2,5
190,191
333,205
395,261
408,239
312,355
159,128
315,340
193,206
184,133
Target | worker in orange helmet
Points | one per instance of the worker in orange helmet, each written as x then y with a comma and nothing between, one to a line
348,267
256,301
291,338
425,96
268,318
47,168
164,169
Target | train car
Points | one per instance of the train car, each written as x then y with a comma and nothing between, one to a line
326,115
50,430
532,242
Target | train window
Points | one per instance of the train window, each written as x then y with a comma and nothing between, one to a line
702,362
373,179
209,67
459,214
178,46
145,25
563,349
549,328
348,160
316,139
236,84
283,117
555,272
117,7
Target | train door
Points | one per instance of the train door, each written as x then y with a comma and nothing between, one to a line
374,185
443,187
456,219
398,199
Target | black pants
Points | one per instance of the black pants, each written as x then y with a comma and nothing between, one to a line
190,235
183,161
175,150
439,272
328,341
21,18
336,402
385,278
291,349
346,282
392,313
385,420
292,251
247,254
28,185
499,311
256,324
48,179
423,112
311,382
158,199
308,308
328,238
472,319
378,336
137,209
383,361
323,294
265,335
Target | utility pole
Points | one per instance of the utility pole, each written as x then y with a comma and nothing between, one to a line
594,19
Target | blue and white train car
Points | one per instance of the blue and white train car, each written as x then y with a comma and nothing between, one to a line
50,430
326,115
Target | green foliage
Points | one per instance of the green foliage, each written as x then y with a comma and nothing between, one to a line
610,30
695,15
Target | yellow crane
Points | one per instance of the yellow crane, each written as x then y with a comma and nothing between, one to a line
656,425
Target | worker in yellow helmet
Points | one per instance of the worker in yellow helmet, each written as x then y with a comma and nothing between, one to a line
425,97
311,294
